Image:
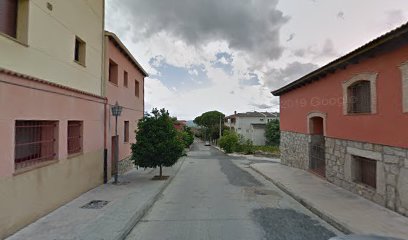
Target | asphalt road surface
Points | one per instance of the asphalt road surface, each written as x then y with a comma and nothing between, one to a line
215,196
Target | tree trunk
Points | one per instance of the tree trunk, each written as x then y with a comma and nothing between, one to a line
161,171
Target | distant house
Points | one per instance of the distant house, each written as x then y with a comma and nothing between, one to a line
348,121
180,124
251,125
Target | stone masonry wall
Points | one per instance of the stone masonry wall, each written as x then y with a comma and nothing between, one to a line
125,165
294,148
391,165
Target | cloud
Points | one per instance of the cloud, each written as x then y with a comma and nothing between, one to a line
291,37
340,15
276,78
394,17
326,51
261,106
249,26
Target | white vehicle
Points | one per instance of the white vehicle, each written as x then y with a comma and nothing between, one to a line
207,143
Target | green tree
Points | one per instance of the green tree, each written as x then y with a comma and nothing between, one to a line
272,133
210,123
157,144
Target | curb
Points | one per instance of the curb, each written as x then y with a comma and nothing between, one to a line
326,217
147,206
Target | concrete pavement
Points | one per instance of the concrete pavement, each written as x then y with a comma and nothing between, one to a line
216,196
341,208
126,204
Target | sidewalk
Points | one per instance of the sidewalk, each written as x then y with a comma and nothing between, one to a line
341,208
128,202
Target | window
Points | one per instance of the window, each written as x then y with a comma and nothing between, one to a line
126,131
113,72
125,79
80,51
136,88
365,171
359,97
8,17
35,142
14,19
360,94
74,137
261,119
404,75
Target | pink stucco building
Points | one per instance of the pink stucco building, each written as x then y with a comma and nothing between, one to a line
348,121
124,79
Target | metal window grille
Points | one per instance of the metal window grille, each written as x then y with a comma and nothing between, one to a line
359,97
367,171
74,137
126,131
34,142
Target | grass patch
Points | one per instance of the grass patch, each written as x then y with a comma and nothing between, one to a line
268,149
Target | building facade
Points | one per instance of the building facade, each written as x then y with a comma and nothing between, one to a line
52,120
348,121
124,81
251,125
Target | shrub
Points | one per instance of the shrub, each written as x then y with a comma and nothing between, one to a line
272,133
229,141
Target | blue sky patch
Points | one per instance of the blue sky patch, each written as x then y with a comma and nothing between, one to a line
224,61
253,80
179,78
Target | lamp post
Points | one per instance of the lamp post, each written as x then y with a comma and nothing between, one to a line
116,111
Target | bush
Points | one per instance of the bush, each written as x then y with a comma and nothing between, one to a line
272,133
229,141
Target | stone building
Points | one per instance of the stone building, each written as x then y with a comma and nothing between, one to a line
348,121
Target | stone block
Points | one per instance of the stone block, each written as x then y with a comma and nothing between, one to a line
391,159
378,148
368,146
364,153
391,179
402,187
395,151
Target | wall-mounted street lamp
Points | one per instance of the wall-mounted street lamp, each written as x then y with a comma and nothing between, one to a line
116,111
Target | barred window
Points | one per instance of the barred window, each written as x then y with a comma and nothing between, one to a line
359,97
365,171
74,137
34,142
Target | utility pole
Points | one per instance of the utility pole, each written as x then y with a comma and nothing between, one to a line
220,126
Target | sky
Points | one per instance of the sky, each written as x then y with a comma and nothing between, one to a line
228,55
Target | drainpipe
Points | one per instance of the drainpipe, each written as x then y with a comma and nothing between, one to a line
105,151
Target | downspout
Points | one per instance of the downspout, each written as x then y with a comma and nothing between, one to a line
103,92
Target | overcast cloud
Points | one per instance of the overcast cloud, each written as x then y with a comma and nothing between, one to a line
229,55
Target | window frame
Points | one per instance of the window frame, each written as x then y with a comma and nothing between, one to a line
361,171
79,137
372,78
80,51
113,73
126,131
125,79
21,25
137,88
404,78
32,138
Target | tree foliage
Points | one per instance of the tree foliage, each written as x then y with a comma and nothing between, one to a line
210,123
157,144
187,136
272,133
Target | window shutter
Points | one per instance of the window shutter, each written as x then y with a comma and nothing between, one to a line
8,17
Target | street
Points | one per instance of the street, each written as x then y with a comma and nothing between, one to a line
215,196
